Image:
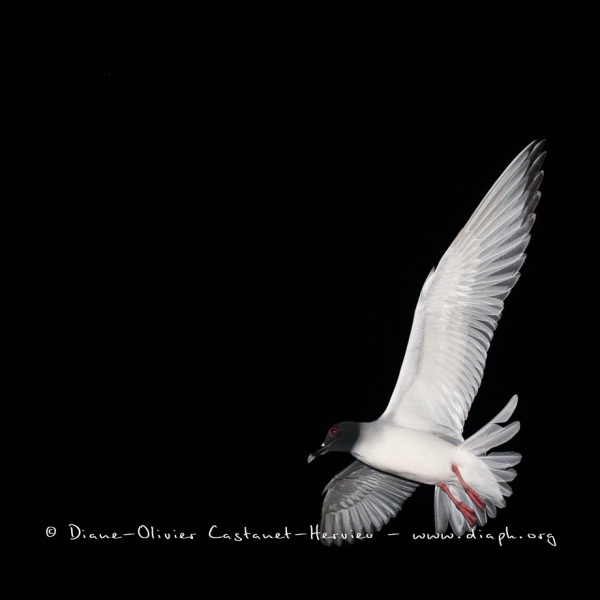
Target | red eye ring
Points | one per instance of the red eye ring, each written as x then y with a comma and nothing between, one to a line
334,431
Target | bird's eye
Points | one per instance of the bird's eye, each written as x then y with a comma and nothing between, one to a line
333,432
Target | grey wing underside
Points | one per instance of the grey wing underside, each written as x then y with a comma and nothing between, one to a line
361,500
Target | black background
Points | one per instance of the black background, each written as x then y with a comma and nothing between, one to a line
218,230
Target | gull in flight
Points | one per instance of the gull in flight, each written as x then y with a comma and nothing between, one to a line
418,438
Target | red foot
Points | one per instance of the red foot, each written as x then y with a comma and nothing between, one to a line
467,512
479,501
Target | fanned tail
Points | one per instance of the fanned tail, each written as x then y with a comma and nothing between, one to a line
496,470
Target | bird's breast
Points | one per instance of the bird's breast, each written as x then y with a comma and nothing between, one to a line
409,453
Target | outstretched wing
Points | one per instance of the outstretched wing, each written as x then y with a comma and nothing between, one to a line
461,302
361,500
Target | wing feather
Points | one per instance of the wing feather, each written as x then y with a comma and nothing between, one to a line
462,301
361,500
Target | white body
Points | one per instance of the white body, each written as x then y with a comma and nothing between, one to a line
409,453
423,457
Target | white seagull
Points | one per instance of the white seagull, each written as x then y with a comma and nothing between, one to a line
418,439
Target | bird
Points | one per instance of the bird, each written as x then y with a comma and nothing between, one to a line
418,439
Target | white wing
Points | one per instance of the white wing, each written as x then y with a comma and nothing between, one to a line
461,302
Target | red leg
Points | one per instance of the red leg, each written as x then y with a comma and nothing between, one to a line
467,512
470,491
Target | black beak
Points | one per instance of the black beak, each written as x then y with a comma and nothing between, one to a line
322,450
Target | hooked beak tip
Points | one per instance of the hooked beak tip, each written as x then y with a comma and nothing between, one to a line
314,455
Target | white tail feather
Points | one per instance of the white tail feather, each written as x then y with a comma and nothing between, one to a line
498,466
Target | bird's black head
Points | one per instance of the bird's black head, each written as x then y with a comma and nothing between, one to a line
341,437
